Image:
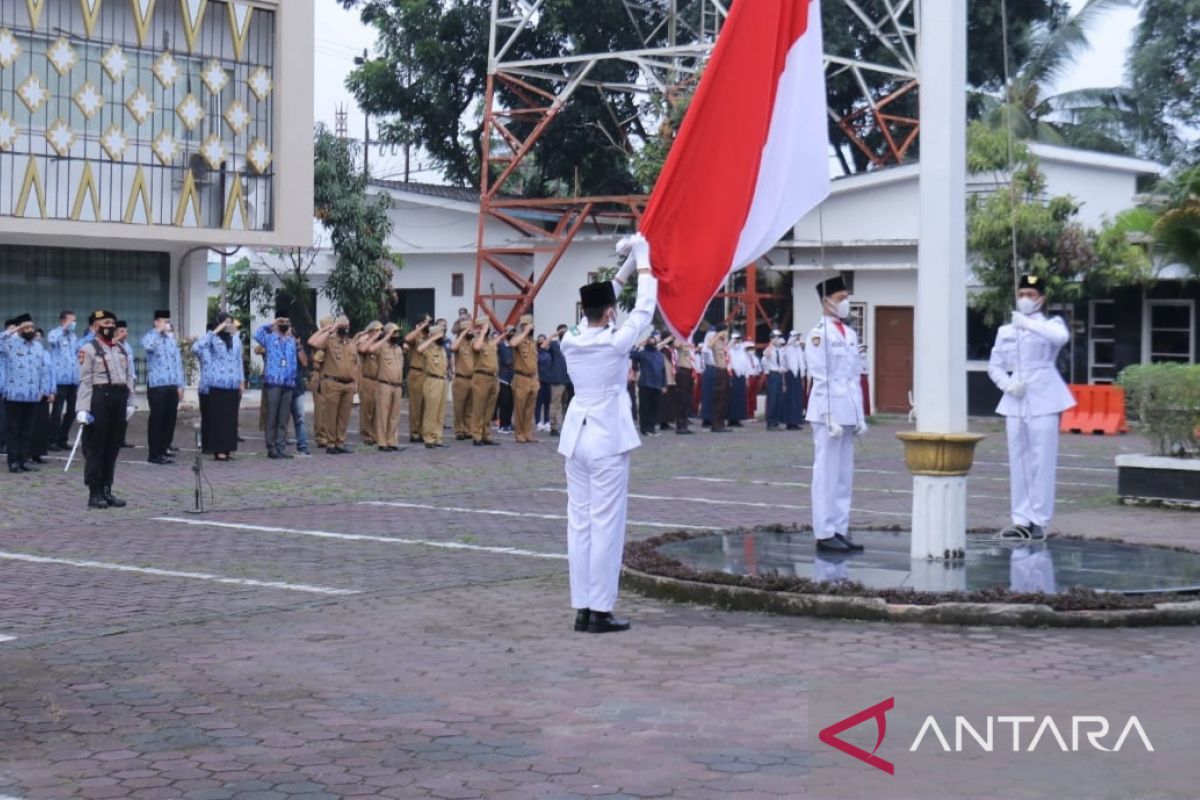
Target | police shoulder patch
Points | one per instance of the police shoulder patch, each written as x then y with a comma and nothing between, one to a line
816,341
574,330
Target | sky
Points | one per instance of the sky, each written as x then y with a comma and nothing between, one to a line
341,36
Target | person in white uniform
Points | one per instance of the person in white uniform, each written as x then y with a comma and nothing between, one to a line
1022,365
597,436
836,414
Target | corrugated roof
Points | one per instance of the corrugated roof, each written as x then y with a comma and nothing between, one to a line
465,195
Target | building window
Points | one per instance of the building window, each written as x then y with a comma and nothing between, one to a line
1102,341
456,284
858,321
1169,331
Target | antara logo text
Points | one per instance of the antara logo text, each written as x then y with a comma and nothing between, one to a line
1014,733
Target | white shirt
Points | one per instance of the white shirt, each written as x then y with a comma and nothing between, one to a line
793,359
773,359
835,369
1029,356
598,363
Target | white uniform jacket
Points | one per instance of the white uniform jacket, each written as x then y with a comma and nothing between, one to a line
835,368
598,363
1033,364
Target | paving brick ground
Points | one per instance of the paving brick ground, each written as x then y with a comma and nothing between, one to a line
338,627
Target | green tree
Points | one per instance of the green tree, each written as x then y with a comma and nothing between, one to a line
290,267
358,223
1165,71
1176,231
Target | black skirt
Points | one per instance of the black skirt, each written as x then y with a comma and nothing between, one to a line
221,420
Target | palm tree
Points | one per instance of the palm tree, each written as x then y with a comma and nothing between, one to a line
1096,119
1177,231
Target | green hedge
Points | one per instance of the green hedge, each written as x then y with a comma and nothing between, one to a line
1165,399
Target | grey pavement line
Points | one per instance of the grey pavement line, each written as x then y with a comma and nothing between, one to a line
748,503
361,537
169,573
6,638
794,484
528,515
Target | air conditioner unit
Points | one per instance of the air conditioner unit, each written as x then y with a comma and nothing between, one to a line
194,162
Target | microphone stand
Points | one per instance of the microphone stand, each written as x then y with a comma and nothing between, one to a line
198,470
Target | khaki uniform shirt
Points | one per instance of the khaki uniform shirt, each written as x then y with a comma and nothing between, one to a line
416,359
525,359
720,351
683,356
435,362
341,359
464,359
389,361
370,364
486,359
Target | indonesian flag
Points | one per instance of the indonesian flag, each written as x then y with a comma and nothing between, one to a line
750,160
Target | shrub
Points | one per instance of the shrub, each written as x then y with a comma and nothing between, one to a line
1165,398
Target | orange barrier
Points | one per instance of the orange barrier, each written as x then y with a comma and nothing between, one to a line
1098,409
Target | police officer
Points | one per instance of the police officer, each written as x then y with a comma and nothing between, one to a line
29,382
62,343
433,405
280,364
388,352
416,377
1022,365
464,373
835,411
105,406
339,368
525,382
485,382
164,386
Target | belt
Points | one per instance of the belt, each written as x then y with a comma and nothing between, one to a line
526,374
415,369
466,375
436,377
485,372
392,383
339,380
106,387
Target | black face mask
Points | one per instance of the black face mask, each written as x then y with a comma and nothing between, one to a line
395,339
651,345
107,333
343,332
28,335
284,328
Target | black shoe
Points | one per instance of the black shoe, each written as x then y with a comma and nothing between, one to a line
333,451
685,432
605,622
15,469
720,430
343,450
96,499
415,440
115,502
477,444
834,544
273,455
160,460
27,468
581,619
54,447
794,427
38,460
491,443
854,548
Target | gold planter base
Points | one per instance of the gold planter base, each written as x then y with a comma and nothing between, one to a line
939,454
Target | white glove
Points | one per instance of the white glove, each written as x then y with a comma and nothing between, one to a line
835,430
1020,321
637,245
862,428
83,418
129,410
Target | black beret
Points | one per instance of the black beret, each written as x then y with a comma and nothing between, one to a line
21,320
96,316
122,323
162,314
831,286
597,295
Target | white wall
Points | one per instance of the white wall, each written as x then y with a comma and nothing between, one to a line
1100,193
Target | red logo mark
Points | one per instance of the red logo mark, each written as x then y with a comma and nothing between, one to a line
876,712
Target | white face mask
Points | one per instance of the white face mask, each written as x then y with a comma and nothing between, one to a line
1027,305
842,309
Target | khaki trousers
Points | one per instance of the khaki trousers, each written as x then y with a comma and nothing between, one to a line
416,403
388,400
341,401
525,391
434,409
485,391
463,426
557,391
320,414
368,390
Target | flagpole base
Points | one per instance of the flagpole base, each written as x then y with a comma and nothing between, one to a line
939,463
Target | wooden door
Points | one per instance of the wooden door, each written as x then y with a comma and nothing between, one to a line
893,358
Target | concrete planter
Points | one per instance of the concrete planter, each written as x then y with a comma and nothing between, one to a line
1159,480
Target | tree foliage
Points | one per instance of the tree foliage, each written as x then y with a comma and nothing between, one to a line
358,223
1176,231
1165,71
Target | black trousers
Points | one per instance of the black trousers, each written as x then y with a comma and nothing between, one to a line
648,409
505,406
683,384
39,440
105,435
164,408
720,409
205,446
63,414
19,428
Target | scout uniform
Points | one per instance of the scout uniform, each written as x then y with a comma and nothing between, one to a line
433,406
525,384
416,384
390,395
485,385
104,405
1022,365
685,373
720,363
338,372
368,388
464,371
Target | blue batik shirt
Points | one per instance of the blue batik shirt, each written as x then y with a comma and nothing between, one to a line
28,375
221,363
63,346
164,365
279,363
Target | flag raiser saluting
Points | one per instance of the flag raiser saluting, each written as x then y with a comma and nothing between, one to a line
750,160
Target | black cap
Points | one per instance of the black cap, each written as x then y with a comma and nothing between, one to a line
831,286
122,323
282,312
21,320
162,314
210,326
597,295
8,323
721,327
101,314
221,317
1032,282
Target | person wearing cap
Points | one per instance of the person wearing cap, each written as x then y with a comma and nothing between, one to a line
464,374
62,344
28,385
416,376
388,352
320,399
485,383
368,386
685,379
104,406
280,365
836,413
220,354
1022,365
719,353
339,369
525,382
433,405
775,367
164,386
597,437
796,370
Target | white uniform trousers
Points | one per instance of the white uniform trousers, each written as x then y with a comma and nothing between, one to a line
832,480
597,500
1032,460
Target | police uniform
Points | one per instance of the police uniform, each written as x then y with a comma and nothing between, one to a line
28,384
597,436
464,372
164,385
525,384
433,406
368,387
485,384
1022,365
338,372
389,397
104,405
836,413
416,384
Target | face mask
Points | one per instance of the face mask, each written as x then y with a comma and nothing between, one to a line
842,309
71,326
28,335
1027,305
107,333
343,332
395,340
284,328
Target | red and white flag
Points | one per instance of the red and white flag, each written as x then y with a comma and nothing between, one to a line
751,158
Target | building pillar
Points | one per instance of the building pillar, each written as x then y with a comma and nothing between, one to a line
193,292
940,452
